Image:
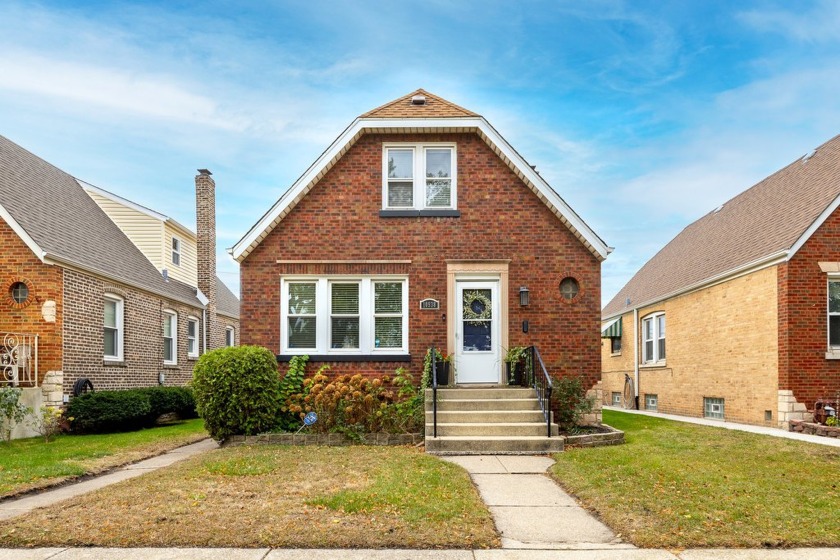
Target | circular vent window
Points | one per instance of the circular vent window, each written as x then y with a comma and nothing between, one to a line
19,292
569,288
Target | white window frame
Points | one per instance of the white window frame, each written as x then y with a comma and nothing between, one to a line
832,349
323,323
230,336
120,320
175,246
419,150
657,332
169,314
192,341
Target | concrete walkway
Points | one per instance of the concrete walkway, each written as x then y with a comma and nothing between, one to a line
763,430
530,510
13,508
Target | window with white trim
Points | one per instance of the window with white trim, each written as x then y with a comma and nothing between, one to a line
419,177
344,315
113,327
170,337
192,337
834,314
176,251
653,338
230,336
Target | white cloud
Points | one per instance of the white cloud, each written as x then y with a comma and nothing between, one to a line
819,24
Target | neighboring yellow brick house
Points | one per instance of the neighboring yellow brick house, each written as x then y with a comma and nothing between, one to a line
738,317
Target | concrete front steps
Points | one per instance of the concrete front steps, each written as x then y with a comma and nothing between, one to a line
489,421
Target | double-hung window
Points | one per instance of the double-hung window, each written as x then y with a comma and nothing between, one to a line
170,337
344,315
653,338
176,251
419,177
230,336
192,337
113,328
834,315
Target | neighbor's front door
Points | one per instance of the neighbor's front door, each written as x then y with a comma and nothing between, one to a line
477,355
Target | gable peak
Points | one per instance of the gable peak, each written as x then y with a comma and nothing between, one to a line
418,104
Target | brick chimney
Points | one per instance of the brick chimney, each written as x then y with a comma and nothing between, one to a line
205,228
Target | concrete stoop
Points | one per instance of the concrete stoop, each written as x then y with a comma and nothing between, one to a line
489,420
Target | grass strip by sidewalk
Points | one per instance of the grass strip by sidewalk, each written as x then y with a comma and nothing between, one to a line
275,496
679,485
27,464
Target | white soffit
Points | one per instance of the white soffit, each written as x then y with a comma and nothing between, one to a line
461,124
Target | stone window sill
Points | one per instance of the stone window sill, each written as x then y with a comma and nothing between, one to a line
114,363
419,213
350,357
615,354
832,355
653,365
171,366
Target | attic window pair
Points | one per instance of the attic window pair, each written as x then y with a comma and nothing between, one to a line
419,177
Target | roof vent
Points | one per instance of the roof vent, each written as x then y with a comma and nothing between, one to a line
165,275
627,302
418,100
808,156
718,209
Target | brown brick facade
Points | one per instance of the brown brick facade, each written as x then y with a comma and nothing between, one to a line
143,336
501,219
803,322
19,264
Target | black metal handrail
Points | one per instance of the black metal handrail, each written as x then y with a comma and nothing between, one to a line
541,382
433,355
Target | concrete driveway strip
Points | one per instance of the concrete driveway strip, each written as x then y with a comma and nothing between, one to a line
762,554
600,554
350,554
20,506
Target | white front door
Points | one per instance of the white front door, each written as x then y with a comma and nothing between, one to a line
477,330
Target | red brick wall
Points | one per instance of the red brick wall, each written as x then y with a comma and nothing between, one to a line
500,219
803,367
143,336
19,264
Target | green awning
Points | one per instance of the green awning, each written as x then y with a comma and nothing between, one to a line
612,329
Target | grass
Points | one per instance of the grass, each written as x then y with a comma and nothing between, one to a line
28,464
678,485
275,496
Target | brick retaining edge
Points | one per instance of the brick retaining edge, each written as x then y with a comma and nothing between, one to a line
813,429
324,439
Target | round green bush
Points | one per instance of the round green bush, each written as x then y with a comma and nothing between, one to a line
237,391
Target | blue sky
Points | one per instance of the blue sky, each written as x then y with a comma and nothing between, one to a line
643,115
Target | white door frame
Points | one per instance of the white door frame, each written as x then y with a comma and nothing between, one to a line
476,270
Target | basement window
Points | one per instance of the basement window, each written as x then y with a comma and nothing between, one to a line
652,402
616,398
713,408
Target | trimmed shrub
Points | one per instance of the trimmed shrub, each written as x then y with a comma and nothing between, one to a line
110,411
131,409
569,402
237,391
164,400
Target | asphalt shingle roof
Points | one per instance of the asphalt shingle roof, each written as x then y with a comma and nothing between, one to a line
402,108
762,221
226,303
70,228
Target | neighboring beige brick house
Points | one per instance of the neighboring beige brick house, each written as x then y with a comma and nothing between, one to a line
94,286
738,317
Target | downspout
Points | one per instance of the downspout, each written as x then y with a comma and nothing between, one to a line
636,354
204,330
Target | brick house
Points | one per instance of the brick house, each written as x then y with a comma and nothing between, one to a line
749,294
102,304
421,226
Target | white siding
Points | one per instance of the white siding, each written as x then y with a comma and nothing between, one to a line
187,272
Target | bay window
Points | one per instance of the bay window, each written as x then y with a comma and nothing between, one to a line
344,315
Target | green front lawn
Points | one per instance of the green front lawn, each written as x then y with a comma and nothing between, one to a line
275,496
679,485
26,464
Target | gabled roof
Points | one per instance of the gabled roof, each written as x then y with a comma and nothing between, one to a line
764,225
227,304
433,106
54,216
401,116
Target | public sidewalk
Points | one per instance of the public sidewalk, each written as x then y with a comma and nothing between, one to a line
763,430
25,504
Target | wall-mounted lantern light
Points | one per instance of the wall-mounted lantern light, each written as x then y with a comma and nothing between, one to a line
523,296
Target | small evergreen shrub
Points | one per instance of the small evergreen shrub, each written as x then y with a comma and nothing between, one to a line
110,411
569,402
237,391
165,400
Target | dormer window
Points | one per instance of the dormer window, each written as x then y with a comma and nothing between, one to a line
419,177
176,251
